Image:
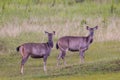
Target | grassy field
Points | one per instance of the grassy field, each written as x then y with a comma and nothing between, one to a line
101,63
26,20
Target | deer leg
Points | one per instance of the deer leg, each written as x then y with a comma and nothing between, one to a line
59,56
63,57
24,59
82,54
45,59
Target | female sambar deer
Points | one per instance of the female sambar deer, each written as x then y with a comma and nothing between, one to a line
36,50
75,43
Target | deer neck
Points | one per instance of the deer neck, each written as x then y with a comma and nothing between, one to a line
90,37
50,43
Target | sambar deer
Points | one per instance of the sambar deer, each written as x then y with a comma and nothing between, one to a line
75,43
36,50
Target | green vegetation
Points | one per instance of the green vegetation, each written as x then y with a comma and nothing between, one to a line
27,9
26,20
102,59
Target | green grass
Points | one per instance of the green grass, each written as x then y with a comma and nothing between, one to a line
20,18
100,63
23,9
24,21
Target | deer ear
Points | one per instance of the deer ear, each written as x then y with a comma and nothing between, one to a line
54,32
95,28
87,27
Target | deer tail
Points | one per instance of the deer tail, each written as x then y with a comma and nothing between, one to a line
18,48
57,47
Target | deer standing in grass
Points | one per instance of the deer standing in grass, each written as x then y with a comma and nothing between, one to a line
75,43
36,50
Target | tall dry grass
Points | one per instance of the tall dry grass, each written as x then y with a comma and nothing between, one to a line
108,28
